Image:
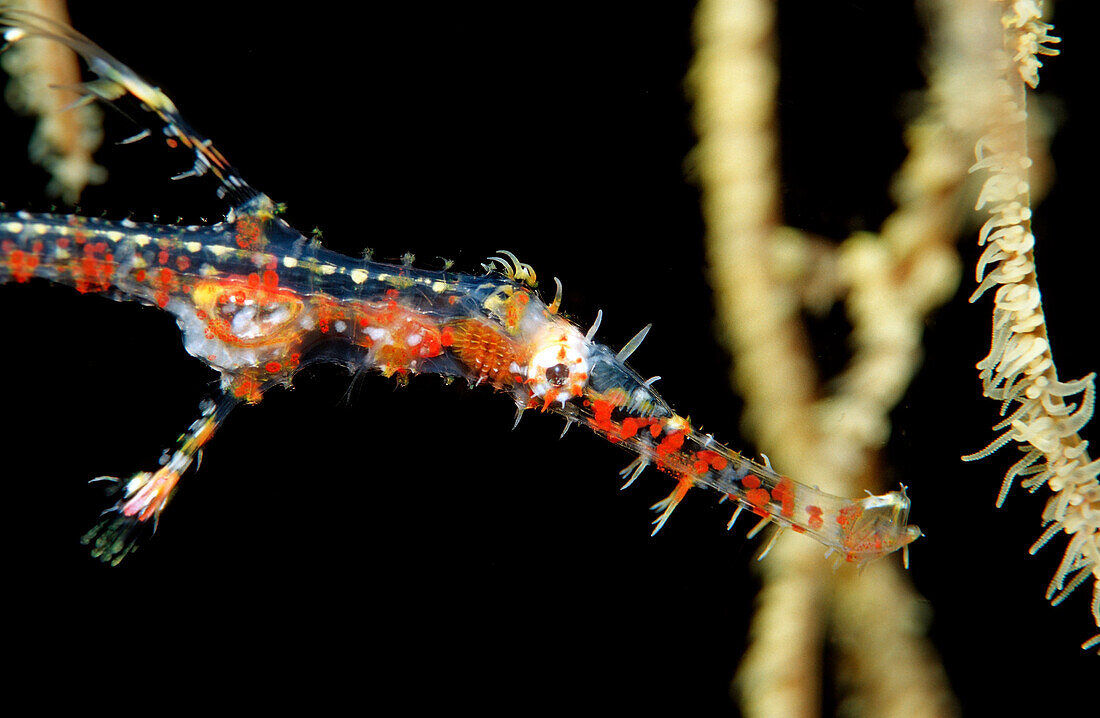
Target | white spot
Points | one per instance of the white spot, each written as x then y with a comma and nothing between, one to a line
328,269
13,227
290,262
377,333
142,239
192,246
341,326
415,339
359,275
115,236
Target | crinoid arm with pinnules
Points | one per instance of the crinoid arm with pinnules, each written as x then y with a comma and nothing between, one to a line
257,301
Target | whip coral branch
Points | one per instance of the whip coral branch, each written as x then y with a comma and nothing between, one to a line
1019,369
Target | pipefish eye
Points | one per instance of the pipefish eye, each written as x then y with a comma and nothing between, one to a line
558,370
557,374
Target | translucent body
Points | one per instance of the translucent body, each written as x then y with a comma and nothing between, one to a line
256,301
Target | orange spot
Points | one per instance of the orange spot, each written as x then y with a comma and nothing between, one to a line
848,514
672,442
631,426
713,458
758,497
602,410
784,494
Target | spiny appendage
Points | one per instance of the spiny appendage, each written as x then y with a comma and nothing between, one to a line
116,82
858,531
514,269
145,494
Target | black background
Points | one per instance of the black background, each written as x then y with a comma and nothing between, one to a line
404,546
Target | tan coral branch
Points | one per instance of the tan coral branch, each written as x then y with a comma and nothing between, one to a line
1019,368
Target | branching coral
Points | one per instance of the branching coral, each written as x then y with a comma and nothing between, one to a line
1019,369
889,281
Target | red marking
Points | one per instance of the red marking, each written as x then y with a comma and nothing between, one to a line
751,481
655,430
183,262
273,367
815,521
94,270
171,143
247,232
139,275
162,256
784,494
63,242
672,442
602,409
849,514
447,336
19,270
706,459
798,529
271,279
248,389
758,497
631,426
713,458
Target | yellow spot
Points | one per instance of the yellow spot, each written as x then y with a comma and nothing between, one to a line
114,235
290,262
218,250
439,286
359,275
192,246
142,239
13,227
328,269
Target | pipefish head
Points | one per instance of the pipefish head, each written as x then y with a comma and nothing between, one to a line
877,526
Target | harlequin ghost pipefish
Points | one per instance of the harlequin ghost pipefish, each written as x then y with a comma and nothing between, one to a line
257,301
